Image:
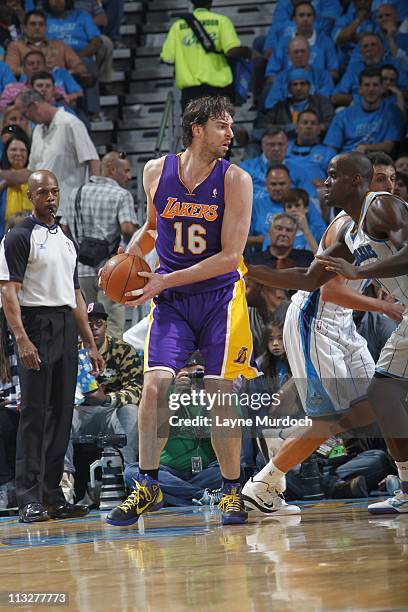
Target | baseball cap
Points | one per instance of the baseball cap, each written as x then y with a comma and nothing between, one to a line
299,74
96,309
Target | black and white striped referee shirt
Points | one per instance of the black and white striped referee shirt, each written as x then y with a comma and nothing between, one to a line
44,260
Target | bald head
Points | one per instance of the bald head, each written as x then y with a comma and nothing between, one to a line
40,177
353,163
116,166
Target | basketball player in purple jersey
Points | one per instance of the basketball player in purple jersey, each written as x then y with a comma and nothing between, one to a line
200,206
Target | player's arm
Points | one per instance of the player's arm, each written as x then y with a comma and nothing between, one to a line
337,292
144,239
308,279
387,219
234,233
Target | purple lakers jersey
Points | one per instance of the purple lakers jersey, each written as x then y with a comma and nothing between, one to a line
189,224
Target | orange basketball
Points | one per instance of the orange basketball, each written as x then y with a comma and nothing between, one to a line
120,275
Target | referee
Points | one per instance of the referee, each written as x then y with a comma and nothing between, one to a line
44,309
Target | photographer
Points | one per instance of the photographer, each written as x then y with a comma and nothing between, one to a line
111,407
188,464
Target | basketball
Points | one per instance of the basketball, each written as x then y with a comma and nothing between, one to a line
120,275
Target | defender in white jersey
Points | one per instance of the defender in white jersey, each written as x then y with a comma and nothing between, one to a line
379,244
330,361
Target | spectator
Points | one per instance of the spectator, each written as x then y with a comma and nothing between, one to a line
384,172
296,203
308,154
321,81
401,185
79,31
188,465
262,303
270,202
281,254
108,211
392,93
6,76
44,83
114,10
372,56
112,407
11,131
371,124
389,23
9,26
274,145
286,112
322,50
33,62
401,164
60,144
104,56
12,116
326,12
35,38
13,199
350,26
199,73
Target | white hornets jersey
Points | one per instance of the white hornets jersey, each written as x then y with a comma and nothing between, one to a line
367,249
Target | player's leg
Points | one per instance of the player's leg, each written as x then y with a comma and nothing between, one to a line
328,384
388,394
167,349
225,341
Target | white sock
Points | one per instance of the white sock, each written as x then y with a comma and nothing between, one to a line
402,467
270,474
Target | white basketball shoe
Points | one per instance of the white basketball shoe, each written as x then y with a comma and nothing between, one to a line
267,499
393,505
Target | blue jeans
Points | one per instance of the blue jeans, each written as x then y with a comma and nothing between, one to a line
180,488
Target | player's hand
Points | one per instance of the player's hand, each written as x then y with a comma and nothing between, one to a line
339,266
98,364
28,354
394,311
154,286
361,148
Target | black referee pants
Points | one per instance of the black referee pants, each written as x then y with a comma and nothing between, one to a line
47,400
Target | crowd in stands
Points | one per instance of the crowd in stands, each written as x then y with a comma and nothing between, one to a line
329,76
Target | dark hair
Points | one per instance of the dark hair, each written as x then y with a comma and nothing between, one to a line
389,67
34,52
293,195
299,3
32,13
274,130
4,162
378,158
43,74
69,5
309,111
202,3
277,166
401,176
200,111
267,361
369,73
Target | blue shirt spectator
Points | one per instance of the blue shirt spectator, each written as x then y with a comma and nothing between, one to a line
326,12
323,54
401,6
349,27
64,79
76,29
6,76
258,166
370,121
321,83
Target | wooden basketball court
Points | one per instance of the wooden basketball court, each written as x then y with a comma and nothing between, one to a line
335,556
